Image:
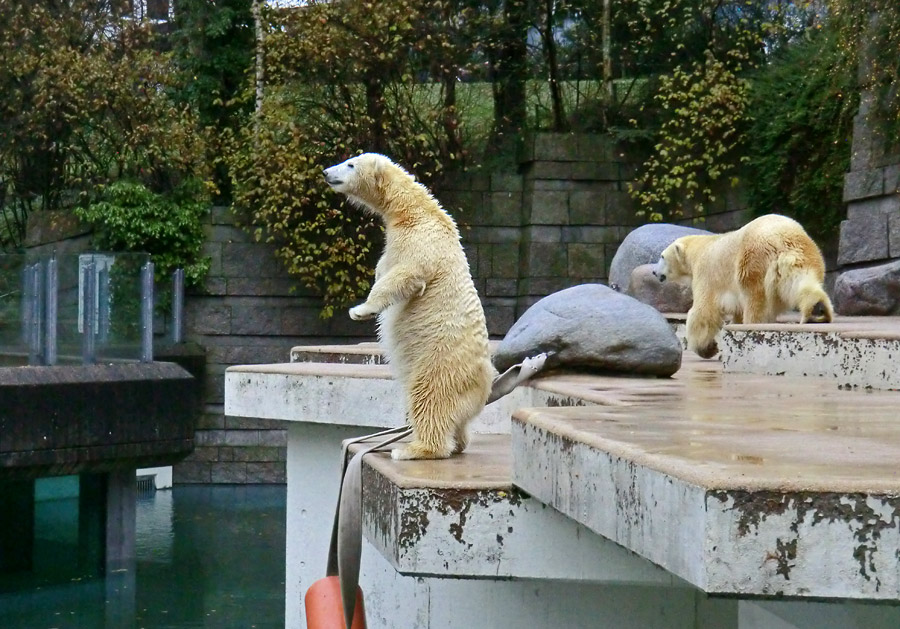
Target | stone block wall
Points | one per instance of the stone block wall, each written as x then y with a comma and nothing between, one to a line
869,246
248,312
871,233
555,223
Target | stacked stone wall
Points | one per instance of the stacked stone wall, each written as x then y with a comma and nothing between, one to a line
249,311
555,223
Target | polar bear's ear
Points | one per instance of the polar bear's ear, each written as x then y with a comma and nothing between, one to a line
678,252
376,163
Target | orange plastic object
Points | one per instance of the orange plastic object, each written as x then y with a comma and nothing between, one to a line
324,609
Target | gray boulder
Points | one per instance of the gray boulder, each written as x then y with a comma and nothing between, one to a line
643,246
664,296
871,291
592,326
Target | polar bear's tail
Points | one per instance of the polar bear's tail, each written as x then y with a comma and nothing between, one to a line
800,287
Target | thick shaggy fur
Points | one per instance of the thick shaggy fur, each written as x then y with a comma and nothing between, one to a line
754,274
430,320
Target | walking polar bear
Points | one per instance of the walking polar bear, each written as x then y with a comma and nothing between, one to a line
754,274
430,320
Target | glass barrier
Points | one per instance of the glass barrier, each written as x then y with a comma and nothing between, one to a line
14,326
75,308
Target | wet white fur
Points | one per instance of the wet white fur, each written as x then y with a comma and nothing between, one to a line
430,320
753,274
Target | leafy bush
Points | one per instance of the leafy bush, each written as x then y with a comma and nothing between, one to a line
868,36
342,79
801,127
86,101
278,183
699,141
130,217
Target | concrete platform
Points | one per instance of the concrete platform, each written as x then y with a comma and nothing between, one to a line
781,493
851,351
740,484
463,517
357,393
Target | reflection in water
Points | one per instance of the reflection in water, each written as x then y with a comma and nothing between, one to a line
206,557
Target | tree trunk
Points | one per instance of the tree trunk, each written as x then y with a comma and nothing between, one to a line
375,111
509,69
606,36
450,119
260,54
559,113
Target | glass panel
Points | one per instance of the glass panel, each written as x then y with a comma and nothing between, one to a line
13,325
116,305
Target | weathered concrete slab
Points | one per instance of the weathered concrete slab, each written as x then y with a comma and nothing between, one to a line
361,353
742,485
314,392
859,352
69,419
331,393
462,517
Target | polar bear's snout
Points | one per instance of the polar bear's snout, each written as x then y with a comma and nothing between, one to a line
331,176
338,175
659,270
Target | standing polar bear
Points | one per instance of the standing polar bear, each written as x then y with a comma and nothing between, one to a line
755,273
430,320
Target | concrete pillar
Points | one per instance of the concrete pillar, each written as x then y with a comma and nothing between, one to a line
121,492
814,615
91,523
16,525
120,518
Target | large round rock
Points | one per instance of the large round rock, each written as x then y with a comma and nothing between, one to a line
592,326
870,291
664,296
643,246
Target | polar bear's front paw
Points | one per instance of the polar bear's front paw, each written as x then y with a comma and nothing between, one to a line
417,450
362,312
709,350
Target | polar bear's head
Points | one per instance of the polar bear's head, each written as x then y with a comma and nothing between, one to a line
363,179
672,265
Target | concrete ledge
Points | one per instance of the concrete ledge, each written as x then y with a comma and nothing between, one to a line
361,353
741,485
331,393
68,419
463,518
863,352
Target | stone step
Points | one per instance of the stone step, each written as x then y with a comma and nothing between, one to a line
462,517
859,352
850,352
740,484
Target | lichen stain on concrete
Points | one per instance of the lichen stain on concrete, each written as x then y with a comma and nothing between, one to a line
413,524
784,556
853,509
415,505
628,503
562,402
560,444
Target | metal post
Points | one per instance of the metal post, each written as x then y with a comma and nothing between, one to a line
178,306
89,312
28,313
147,312
103,305
52,290
34,277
